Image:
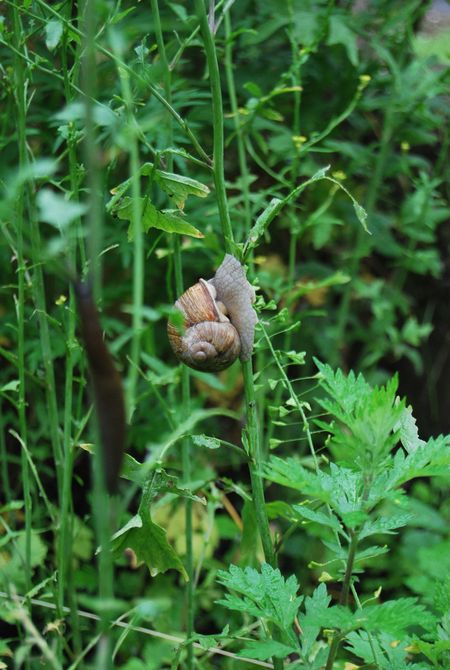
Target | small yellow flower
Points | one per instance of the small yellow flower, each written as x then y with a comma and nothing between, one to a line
61,300
405,146
339,175
299,140
325,577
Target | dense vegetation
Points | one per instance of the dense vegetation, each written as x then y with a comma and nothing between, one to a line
289,511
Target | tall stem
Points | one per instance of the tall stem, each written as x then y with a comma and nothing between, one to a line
20,305
343,600
138,242
65,578
243,167
254,439
100,501
185,376
217,109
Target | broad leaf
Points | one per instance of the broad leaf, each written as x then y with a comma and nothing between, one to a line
155,218
149,543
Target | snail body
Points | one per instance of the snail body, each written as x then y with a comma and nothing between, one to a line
219,320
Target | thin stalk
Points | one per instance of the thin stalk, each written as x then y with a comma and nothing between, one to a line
20,303
243,167
6,485
101,503
186,455
253,429
65,576
343,600
138,244
217,109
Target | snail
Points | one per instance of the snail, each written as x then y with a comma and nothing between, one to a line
219,320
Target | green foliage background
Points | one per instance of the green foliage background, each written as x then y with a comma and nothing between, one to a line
359,87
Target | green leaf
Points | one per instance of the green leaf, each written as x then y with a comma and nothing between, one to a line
396,616
315,610
53,33
149,543
263,221
13,385
161,483
179,187
384,524
318,517
56,210
340,33
155,218
297,357
408,433
264,594
205,441
365,432
265,649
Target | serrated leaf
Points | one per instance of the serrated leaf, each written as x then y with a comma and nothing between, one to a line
384,524
316,606
264,594
395,616
155,218
265,649
408,432
318,517
149,543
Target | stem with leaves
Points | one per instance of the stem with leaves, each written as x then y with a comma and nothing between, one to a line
185,376
20,302
343,600
253,430
100,501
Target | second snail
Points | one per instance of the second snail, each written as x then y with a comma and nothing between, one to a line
219,320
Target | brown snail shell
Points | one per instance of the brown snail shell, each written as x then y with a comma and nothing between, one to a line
210,342
219,320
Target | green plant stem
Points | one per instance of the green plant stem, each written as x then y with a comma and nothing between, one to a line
254,440
20,303
243,167
217,109
100,501
138,244
186,455
65,576
343,600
